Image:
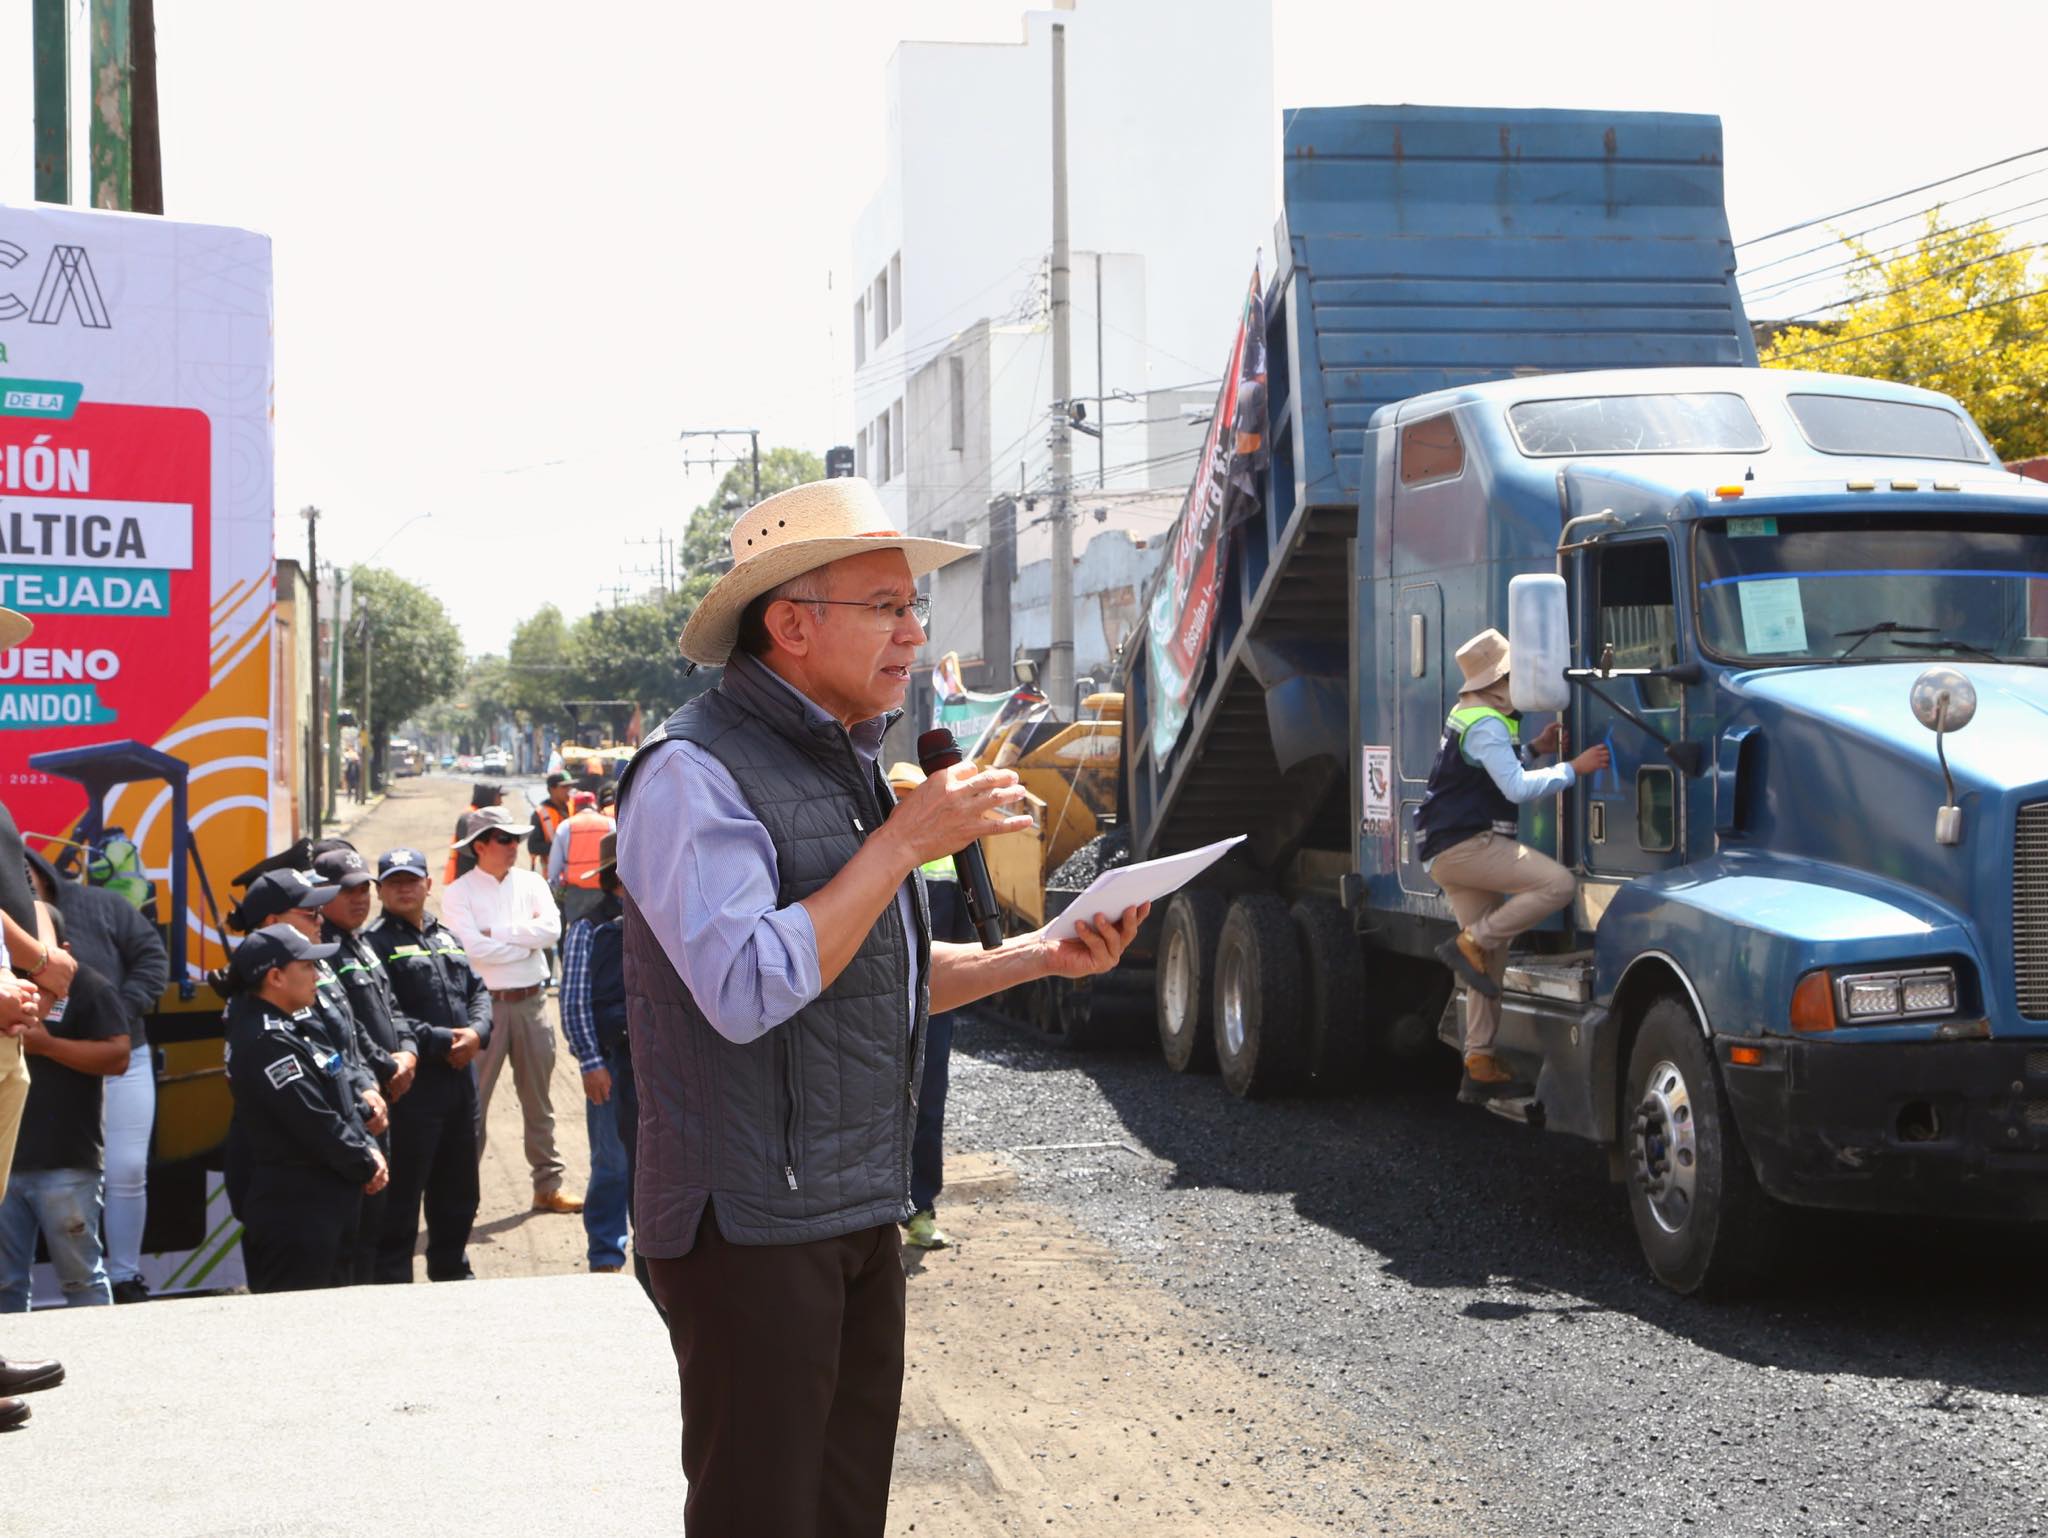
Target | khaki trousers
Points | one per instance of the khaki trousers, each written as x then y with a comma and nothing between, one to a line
13,1096
520,1031
1475,876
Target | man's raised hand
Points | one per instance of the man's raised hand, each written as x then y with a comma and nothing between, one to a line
953,808
1099,946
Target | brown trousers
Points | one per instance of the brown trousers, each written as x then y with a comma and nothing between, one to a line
791,1360
1475,875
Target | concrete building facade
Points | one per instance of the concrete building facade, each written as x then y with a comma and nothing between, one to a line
1171,128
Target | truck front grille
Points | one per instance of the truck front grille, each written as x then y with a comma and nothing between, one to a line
2030,911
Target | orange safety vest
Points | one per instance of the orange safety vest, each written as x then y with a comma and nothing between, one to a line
585,832
550,817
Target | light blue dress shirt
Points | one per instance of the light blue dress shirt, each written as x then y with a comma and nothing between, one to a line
701,868
1487,744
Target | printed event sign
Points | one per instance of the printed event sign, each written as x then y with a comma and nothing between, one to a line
1224,492
135,532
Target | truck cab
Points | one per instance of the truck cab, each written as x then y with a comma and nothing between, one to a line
1808,959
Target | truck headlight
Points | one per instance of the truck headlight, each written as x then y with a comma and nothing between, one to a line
1868,997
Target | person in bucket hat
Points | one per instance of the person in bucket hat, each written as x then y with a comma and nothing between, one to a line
781,971
1468,820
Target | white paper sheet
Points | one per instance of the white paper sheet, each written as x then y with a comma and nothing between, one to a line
1128,885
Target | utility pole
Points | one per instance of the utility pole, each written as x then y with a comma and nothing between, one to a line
366,741
315,748
715,458
53,102
1059,671
124,148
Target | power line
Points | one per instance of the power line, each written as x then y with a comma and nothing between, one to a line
1885,224
1800,280
1911,325
1932,277
1807,224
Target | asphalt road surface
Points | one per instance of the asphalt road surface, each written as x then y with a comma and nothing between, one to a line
1470,1296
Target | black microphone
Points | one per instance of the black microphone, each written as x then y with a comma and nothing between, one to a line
936,750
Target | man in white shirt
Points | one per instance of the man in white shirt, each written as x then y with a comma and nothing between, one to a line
506,919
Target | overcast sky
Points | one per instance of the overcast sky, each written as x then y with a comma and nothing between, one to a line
517,252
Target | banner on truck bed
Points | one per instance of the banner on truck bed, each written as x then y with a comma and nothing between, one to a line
1223,493
135,531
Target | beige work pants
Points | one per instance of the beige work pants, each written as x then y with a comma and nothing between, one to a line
520,1031
13,1096
1475,876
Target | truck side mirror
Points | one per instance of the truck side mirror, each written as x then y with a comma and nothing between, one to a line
1943,700
1539,642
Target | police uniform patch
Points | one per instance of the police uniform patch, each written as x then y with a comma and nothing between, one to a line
283,1071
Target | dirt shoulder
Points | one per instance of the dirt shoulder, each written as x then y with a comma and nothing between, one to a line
1048,1386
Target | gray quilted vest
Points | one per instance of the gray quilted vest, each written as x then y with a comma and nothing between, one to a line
804,1133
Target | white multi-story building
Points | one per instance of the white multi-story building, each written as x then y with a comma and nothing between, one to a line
1171,164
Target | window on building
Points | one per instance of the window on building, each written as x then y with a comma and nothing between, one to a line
860,332
1431,451
956,403
879,301
860,453
885,466
896,292
896,456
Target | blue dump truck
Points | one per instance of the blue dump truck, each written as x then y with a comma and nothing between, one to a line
1807,963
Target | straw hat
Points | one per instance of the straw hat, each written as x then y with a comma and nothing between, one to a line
14,628
1483,660
793,532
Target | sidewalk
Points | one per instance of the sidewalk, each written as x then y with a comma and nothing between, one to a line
545,1405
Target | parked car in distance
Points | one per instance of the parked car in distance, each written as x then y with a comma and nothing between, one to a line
447,760
495,761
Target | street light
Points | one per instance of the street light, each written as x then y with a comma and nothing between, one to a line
365,738
415,518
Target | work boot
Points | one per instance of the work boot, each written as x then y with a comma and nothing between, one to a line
1461,953
555,1201
1488,1078
922,1232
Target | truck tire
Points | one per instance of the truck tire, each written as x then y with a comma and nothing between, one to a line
1704,1223
1338,1037
1184,987
1261,1029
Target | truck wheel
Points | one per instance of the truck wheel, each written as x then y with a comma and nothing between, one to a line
1335,965
1184,986
1261,1036
1704,1223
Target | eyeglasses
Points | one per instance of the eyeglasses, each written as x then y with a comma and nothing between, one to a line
886,612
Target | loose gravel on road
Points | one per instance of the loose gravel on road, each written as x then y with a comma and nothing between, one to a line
1470,1292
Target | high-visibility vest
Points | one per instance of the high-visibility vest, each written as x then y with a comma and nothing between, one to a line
585,832
550,817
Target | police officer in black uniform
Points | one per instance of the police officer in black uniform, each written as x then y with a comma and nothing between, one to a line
360,971
309,1160
433,1137
289,896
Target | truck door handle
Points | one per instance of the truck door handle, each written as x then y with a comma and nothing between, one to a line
1418,665
1596,821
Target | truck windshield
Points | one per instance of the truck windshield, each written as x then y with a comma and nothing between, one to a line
1814,589
1636,424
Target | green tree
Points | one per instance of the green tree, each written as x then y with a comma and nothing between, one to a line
707,545
415,654
630,653
1957,311
543,668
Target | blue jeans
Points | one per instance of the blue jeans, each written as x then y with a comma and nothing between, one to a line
604,1203
65,1205
928,1147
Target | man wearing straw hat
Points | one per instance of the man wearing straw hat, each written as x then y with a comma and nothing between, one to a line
1469,819
779,979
